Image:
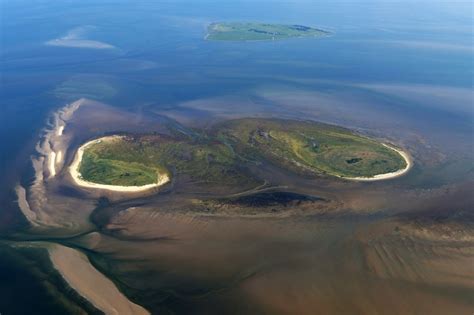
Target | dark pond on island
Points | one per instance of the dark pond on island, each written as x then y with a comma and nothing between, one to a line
286,243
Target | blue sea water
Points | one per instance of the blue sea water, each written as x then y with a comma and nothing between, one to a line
412,61
406,63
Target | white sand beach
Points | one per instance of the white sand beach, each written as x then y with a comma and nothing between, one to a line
77,177
390,175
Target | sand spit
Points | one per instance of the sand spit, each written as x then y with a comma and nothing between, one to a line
87,281
52,164
60,130
79,43
59,157
37,206
75,39
390,175
76,175
24,205
52,140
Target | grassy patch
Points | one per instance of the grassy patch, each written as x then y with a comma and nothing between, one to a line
315,147
137,161
220,156
113,172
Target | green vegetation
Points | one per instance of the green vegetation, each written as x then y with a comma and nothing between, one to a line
135,161
307,146
239,31
220,156
100,170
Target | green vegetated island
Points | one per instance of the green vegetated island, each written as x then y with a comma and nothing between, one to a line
246,31
219,156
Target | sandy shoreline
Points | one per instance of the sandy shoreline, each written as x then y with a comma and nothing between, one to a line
76,175
87,281
385,176
60,131
52,164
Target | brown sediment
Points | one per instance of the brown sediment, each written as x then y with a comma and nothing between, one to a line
79,273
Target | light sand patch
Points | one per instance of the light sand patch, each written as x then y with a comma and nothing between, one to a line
79,273
60,131
59,157
24,205
52,164
75,38
77,177
51,143
41,209
390,175
79,43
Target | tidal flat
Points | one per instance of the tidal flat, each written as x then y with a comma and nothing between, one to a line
237,229
289,229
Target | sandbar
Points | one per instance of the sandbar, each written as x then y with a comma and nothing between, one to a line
87,281
60,130
52,164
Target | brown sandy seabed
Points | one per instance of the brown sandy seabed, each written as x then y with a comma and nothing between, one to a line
166,251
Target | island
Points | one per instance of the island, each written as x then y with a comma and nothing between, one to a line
140,162
249,31
222,155
94,167
316,148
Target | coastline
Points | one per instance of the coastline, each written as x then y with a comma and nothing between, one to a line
76,175
390,175
92,285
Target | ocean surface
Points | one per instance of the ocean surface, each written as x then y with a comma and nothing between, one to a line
396,69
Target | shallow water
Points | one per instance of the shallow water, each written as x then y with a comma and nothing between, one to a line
397,71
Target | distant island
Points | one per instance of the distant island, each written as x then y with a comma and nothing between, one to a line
247,31
220,156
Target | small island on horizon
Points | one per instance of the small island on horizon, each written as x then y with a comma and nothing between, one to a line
250,31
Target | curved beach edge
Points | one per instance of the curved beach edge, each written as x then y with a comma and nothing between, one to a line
79,181
77,270
385,176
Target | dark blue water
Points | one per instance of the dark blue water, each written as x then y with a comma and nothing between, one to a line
410,62
402,68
